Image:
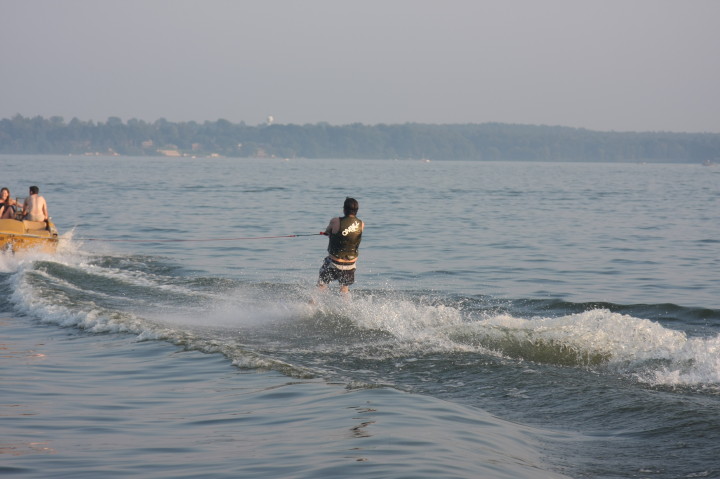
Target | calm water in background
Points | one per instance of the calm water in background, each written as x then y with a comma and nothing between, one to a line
509,320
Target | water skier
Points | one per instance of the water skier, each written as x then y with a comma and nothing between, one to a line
345,235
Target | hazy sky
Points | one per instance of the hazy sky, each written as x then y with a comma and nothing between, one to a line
623,65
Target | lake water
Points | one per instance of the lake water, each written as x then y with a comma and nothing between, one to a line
509,320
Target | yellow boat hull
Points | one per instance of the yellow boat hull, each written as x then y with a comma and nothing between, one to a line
17,235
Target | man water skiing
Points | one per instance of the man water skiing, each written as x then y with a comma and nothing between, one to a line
345,234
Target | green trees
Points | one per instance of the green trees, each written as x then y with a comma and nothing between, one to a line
487,141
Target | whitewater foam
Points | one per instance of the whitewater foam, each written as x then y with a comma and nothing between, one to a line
389,324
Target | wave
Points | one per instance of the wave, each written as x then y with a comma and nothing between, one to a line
293,329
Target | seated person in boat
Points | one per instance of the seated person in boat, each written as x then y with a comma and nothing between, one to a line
7,205
35,207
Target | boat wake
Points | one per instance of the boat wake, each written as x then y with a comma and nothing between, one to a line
293,329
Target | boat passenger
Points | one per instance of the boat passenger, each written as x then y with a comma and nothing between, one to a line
35,207
7,205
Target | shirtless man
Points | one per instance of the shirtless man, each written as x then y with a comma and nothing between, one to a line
35,207
345,234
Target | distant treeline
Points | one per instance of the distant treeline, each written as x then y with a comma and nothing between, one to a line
487,141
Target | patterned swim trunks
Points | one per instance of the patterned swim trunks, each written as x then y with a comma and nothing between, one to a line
336,271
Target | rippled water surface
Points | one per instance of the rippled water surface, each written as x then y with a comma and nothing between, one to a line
509,320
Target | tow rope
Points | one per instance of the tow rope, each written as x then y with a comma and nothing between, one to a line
178,240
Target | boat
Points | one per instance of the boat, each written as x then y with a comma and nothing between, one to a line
20,235
16,235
